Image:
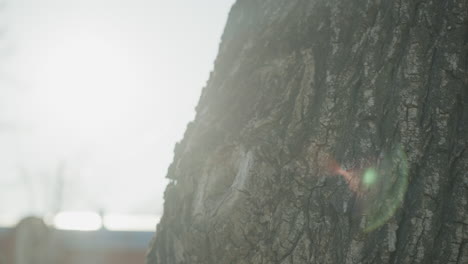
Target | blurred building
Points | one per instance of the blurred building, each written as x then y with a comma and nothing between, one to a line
6,245
102,246
27,244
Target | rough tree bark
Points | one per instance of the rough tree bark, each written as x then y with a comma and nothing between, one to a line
330,131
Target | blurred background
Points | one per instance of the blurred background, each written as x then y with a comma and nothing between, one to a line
94,94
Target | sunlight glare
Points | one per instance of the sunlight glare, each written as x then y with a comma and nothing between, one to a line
86,86
120,222
80,221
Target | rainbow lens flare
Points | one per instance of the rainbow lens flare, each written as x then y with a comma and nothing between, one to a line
381,188
387,188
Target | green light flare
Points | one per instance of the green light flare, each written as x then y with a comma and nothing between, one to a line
370,176
392,193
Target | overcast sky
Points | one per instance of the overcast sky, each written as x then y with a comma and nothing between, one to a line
101,90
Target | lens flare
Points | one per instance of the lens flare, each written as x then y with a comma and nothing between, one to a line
369,177
381,187
391,189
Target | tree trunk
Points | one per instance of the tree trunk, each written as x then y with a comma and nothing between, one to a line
330,131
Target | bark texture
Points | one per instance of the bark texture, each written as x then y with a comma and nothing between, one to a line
330,131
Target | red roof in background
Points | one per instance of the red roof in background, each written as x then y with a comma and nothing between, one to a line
86,247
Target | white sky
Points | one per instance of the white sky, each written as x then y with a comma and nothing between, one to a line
103,87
